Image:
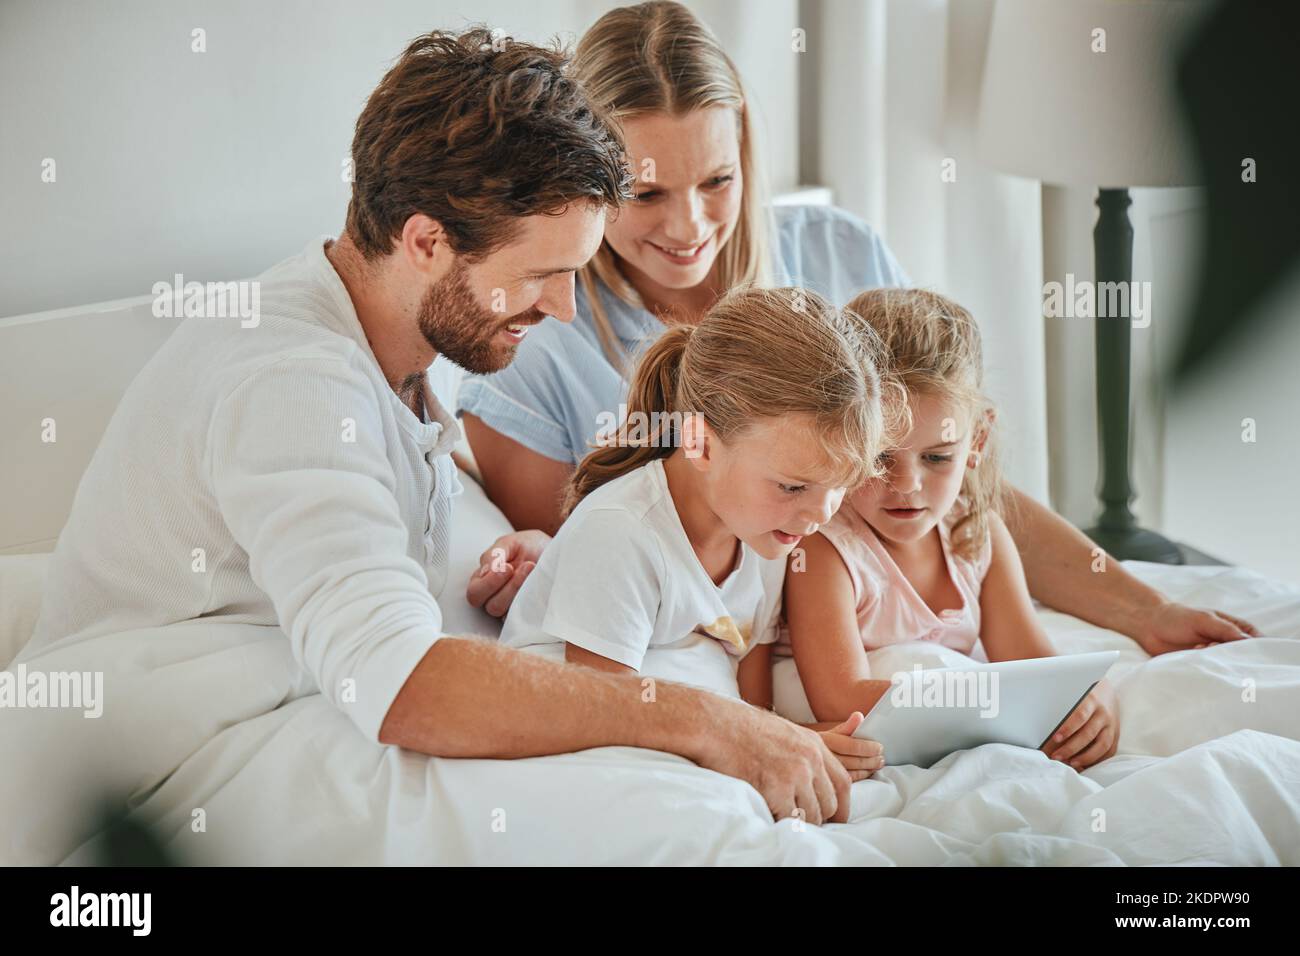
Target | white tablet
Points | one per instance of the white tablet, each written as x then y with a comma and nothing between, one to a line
928,714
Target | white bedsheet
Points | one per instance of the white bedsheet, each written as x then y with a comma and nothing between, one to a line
216,718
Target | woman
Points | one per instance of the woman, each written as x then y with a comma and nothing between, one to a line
697,228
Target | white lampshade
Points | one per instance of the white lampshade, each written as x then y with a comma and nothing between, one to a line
1053,109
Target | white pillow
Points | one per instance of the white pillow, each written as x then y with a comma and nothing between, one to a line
22,578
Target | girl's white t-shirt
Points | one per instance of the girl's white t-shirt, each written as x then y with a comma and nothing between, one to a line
621,580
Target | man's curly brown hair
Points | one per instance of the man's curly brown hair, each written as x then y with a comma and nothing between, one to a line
476,130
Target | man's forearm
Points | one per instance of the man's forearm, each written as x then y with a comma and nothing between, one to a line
474,698
1059,568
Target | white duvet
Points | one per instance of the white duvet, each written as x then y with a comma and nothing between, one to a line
212,737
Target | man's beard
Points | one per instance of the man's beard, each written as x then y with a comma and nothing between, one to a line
459,328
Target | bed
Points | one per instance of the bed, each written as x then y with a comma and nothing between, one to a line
213,738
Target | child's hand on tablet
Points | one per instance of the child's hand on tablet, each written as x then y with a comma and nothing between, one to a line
861,758
1091,733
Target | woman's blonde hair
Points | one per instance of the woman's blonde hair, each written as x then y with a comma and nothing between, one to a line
658,58
758,354
933,347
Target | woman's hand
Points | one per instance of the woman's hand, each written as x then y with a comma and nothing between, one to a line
503,568
1091,732
1168,626
861,758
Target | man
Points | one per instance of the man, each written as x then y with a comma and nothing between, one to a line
298,472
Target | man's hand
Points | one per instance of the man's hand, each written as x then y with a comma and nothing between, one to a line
789,765
503,568
1167,627
465,698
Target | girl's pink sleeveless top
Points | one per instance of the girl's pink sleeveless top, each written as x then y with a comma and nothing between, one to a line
889,610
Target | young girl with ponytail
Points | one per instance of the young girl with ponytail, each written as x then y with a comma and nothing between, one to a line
742,434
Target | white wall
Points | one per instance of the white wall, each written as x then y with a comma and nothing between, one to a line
219,164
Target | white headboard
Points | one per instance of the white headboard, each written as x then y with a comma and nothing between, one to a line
68,367
71,367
